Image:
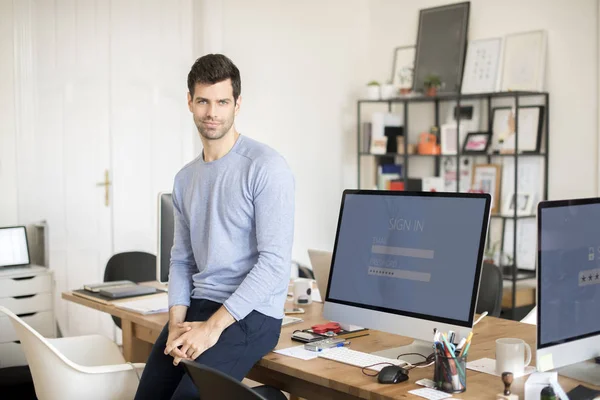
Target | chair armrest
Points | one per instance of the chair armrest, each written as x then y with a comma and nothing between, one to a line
116,368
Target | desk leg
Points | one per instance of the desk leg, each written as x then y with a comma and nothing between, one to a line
134,349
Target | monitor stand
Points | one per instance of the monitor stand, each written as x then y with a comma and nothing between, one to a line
587,371
417,346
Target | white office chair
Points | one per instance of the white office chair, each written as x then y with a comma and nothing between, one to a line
531,318
81,367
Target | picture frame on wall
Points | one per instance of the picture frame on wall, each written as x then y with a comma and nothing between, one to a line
524,61
448,142
523,202
441,46
403,67
486,179
476,143
481,74
530,125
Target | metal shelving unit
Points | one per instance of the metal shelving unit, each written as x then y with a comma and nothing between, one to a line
512,272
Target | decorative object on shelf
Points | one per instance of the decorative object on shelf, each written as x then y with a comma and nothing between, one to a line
524,61
481,66
403,68
432,83
373,90
448,172
433,184
448,140
469,114
388,91
487,177
523,202
477,143
412,147
428,143
526,235
378,145
531,119
441,46
393,133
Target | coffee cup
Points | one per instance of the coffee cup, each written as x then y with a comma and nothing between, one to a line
512,355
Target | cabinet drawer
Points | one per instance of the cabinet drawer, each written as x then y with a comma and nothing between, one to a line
11,287
41,322
29,304
11,355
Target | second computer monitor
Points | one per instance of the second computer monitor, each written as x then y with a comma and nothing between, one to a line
166,230
406,262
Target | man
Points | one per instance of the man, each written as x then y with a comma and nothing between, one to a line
231,256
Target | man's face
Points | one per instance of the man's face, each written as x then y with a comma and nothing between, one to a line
214,109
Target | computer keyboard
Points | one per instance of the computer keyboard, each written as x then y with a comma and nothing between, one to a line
358,358
430,394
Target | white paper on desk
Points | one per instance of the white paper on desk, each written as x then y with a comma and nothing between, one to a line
298,352
146,305
425,393
538,381
488,366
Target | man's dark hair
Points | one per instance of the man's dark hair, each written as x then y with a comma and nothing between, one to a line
214,68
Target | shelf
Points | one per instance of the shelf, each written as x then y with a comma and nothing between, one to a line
512,216
522,274
453,97
363,153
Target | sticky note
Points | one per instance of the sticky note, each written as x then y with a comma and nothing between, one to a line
545,363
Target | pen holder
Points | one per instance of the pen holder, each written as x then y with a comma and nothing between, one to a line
450,373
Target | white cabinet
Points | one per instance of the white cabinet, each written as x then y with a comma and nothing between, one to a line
27,292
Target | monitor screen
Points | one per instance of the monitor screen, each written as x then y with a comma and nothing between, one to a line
13,246
416,255
568,271
166,229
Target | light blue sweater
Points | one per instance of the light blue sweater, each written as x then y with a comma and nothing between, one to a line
234,226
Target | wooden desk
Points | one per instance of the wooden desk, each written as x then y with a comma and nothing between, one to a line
324,379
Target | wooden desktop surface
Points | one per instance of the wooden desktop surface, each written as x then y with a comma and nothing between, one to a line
321,378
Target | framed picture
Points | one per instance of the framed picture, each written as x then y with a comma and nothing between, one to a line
523,202
524,61
476,143
486,179
403,67
482,65
441,46
530,124
468,113
448,142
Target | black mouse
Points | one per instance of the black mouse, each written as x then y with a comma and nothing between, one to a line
392,374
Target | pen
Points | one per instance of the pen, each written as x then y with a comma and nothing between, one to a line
464,350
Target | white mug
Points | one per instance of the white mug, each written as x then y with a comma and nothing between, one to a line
510,356
302,291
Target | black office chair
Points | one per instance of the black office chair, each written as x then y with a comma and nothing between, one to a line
135,266
490,290
213,384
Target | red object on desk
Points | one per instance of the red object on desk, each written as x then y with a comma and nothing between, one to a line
324,328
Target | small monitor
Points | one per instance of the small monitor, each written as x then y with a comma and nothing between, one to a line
166,229
568,296
408,262
14,249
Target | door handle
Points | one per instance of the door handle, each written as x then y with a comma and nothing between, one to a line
106,185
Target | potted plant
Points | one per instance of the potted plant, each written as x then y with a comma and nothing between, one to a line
373,90
490,254
387,90
406,77
432,83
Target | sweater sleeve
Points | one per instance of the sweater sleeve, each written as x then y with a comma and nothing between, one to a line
273,194
183,265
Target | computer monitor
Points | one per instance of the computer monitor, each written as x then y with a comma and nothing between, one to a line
320,261
166,229
407,263
14,249
568,281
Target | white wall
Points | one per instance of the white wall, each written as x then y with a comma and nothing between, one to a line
301,64
8,160
571,70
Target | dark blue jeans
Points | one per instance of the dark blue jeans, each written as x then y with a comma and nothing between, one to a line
240,346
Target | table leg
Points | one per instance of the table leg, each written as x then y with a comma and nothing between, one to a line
134,349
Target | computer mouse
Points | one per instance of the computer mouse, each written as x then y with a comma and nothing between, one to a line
392,374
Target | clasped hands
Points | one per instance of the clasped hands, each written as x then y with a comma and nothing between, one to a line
188,340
